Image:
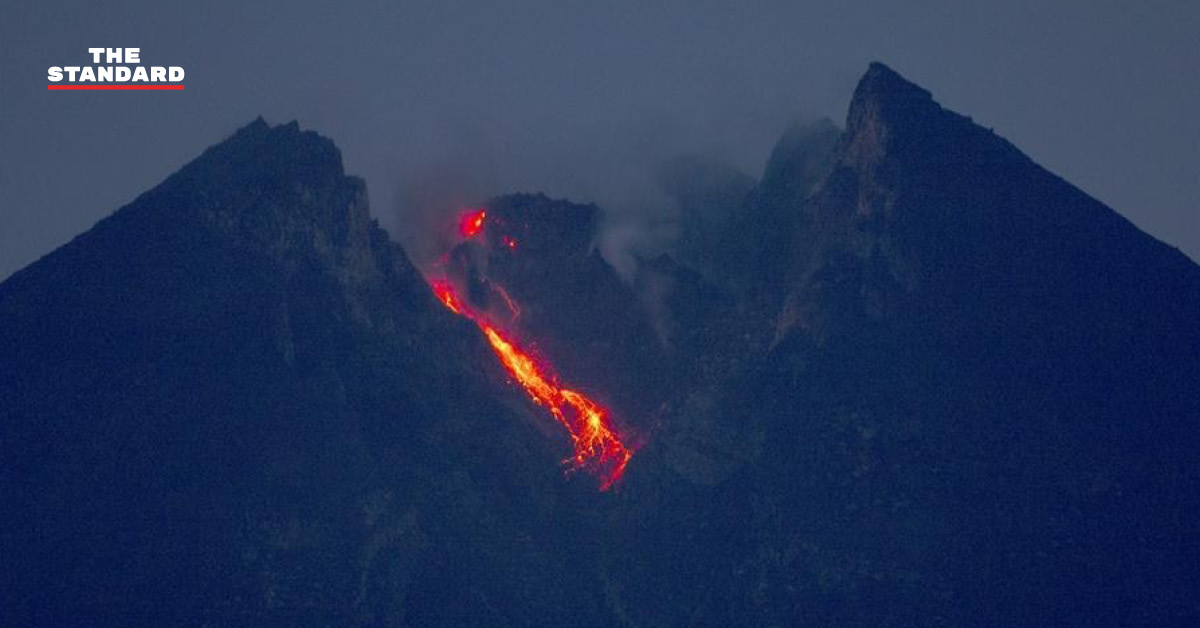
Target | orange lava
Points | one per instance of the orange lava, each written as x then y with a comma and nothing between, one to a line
471,223
598,448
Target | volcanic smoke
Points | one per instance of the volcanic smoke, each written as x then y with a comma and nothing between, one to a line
598,448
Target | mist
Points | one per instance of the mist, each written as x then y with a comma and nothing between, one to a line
580,101
613,162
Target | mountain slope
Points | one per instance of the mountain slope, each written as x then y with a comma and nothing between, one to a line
234,401
983,394
535,267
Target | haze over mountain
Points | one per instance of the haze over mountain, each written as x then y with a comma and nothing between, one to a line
580,100
905,377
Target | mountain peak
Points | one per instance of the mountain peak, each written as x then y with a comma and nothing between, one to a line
883,101
881,80
276,194
280,151
922,199
277,189
881,89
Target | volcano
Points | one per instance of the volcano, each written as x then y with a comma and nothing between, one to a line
906,377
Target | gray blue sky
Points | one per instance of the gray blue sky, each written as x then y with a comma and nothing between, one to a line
575,98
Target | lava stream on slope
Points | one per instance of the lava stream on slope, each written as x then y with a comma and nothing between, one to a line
598,447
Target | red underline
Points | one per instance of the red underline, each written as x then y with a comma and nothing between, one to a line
114,87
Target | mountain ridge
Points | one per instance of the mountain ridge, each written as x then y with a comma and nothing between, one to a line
933,385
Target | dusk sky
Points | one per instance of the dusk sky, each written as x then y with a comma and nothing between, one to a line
581,99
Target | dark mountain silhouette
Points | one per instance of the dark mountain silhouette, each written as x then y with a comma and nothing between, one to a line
235,402
907,378
981,400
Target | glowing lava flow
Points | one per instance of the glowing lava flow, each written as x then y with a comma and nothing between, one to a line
597,446
471,223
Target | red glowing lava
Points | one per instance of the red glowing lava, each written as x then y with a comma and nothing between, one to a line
597,446
471,223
